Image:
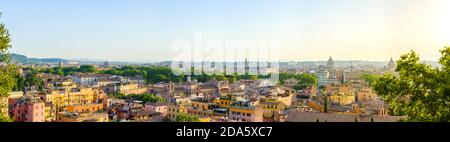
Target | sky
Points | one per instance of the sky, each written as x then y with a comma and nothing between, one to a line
145,30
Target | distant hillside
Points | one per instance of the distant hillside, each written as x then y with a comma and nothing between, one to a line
25,60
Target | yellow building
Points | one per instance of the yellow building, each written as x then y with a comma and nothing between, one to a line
4,102
82,117
202,108
94,107
204,119
174,110
76,96
50,112
272,107
4,106
15,95
366,94
132,88
332,89
224,102
243,113
342,99
66,84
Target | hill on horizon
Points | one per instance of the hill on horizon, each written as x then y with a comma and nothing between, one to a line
18,58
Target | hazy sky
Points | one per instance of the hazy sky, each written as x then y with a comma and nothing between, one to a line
144,30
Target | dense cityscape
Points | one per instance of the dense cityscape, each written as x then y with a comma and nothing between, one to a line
70,92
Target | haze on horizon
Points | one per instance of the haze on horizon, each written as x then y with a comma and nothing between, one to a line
138,30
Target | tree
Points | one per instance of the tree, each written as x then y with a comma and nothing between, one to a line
325,104
306,80
5,119
59,71
419,91
20,83
32,80
182,117
7,83
370,78
254,77
159,78
232,79
149,98
4,42
220,77
7,72
87,69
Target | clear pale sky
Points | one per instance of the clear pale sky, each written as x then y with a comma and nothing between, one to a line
143,30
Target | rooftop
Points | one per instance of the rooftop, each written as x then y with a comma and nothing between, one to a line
297,116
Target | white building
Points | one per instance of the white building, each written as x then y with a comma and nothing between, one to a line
322,78
85,79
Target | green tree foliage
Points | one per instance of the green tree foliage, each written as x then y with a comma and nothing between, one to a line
159,78
254,77
419,91
128,71
140,97
325,104
204,77
5,119
220,77
87,69
7,72
7,77
20,83
182,117
149,98
304,80
370,78
150,74
32,80
4,42
232,79
64,71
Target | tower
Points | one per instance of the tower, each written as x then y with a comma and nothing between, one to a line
330,63
391,64
170,88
